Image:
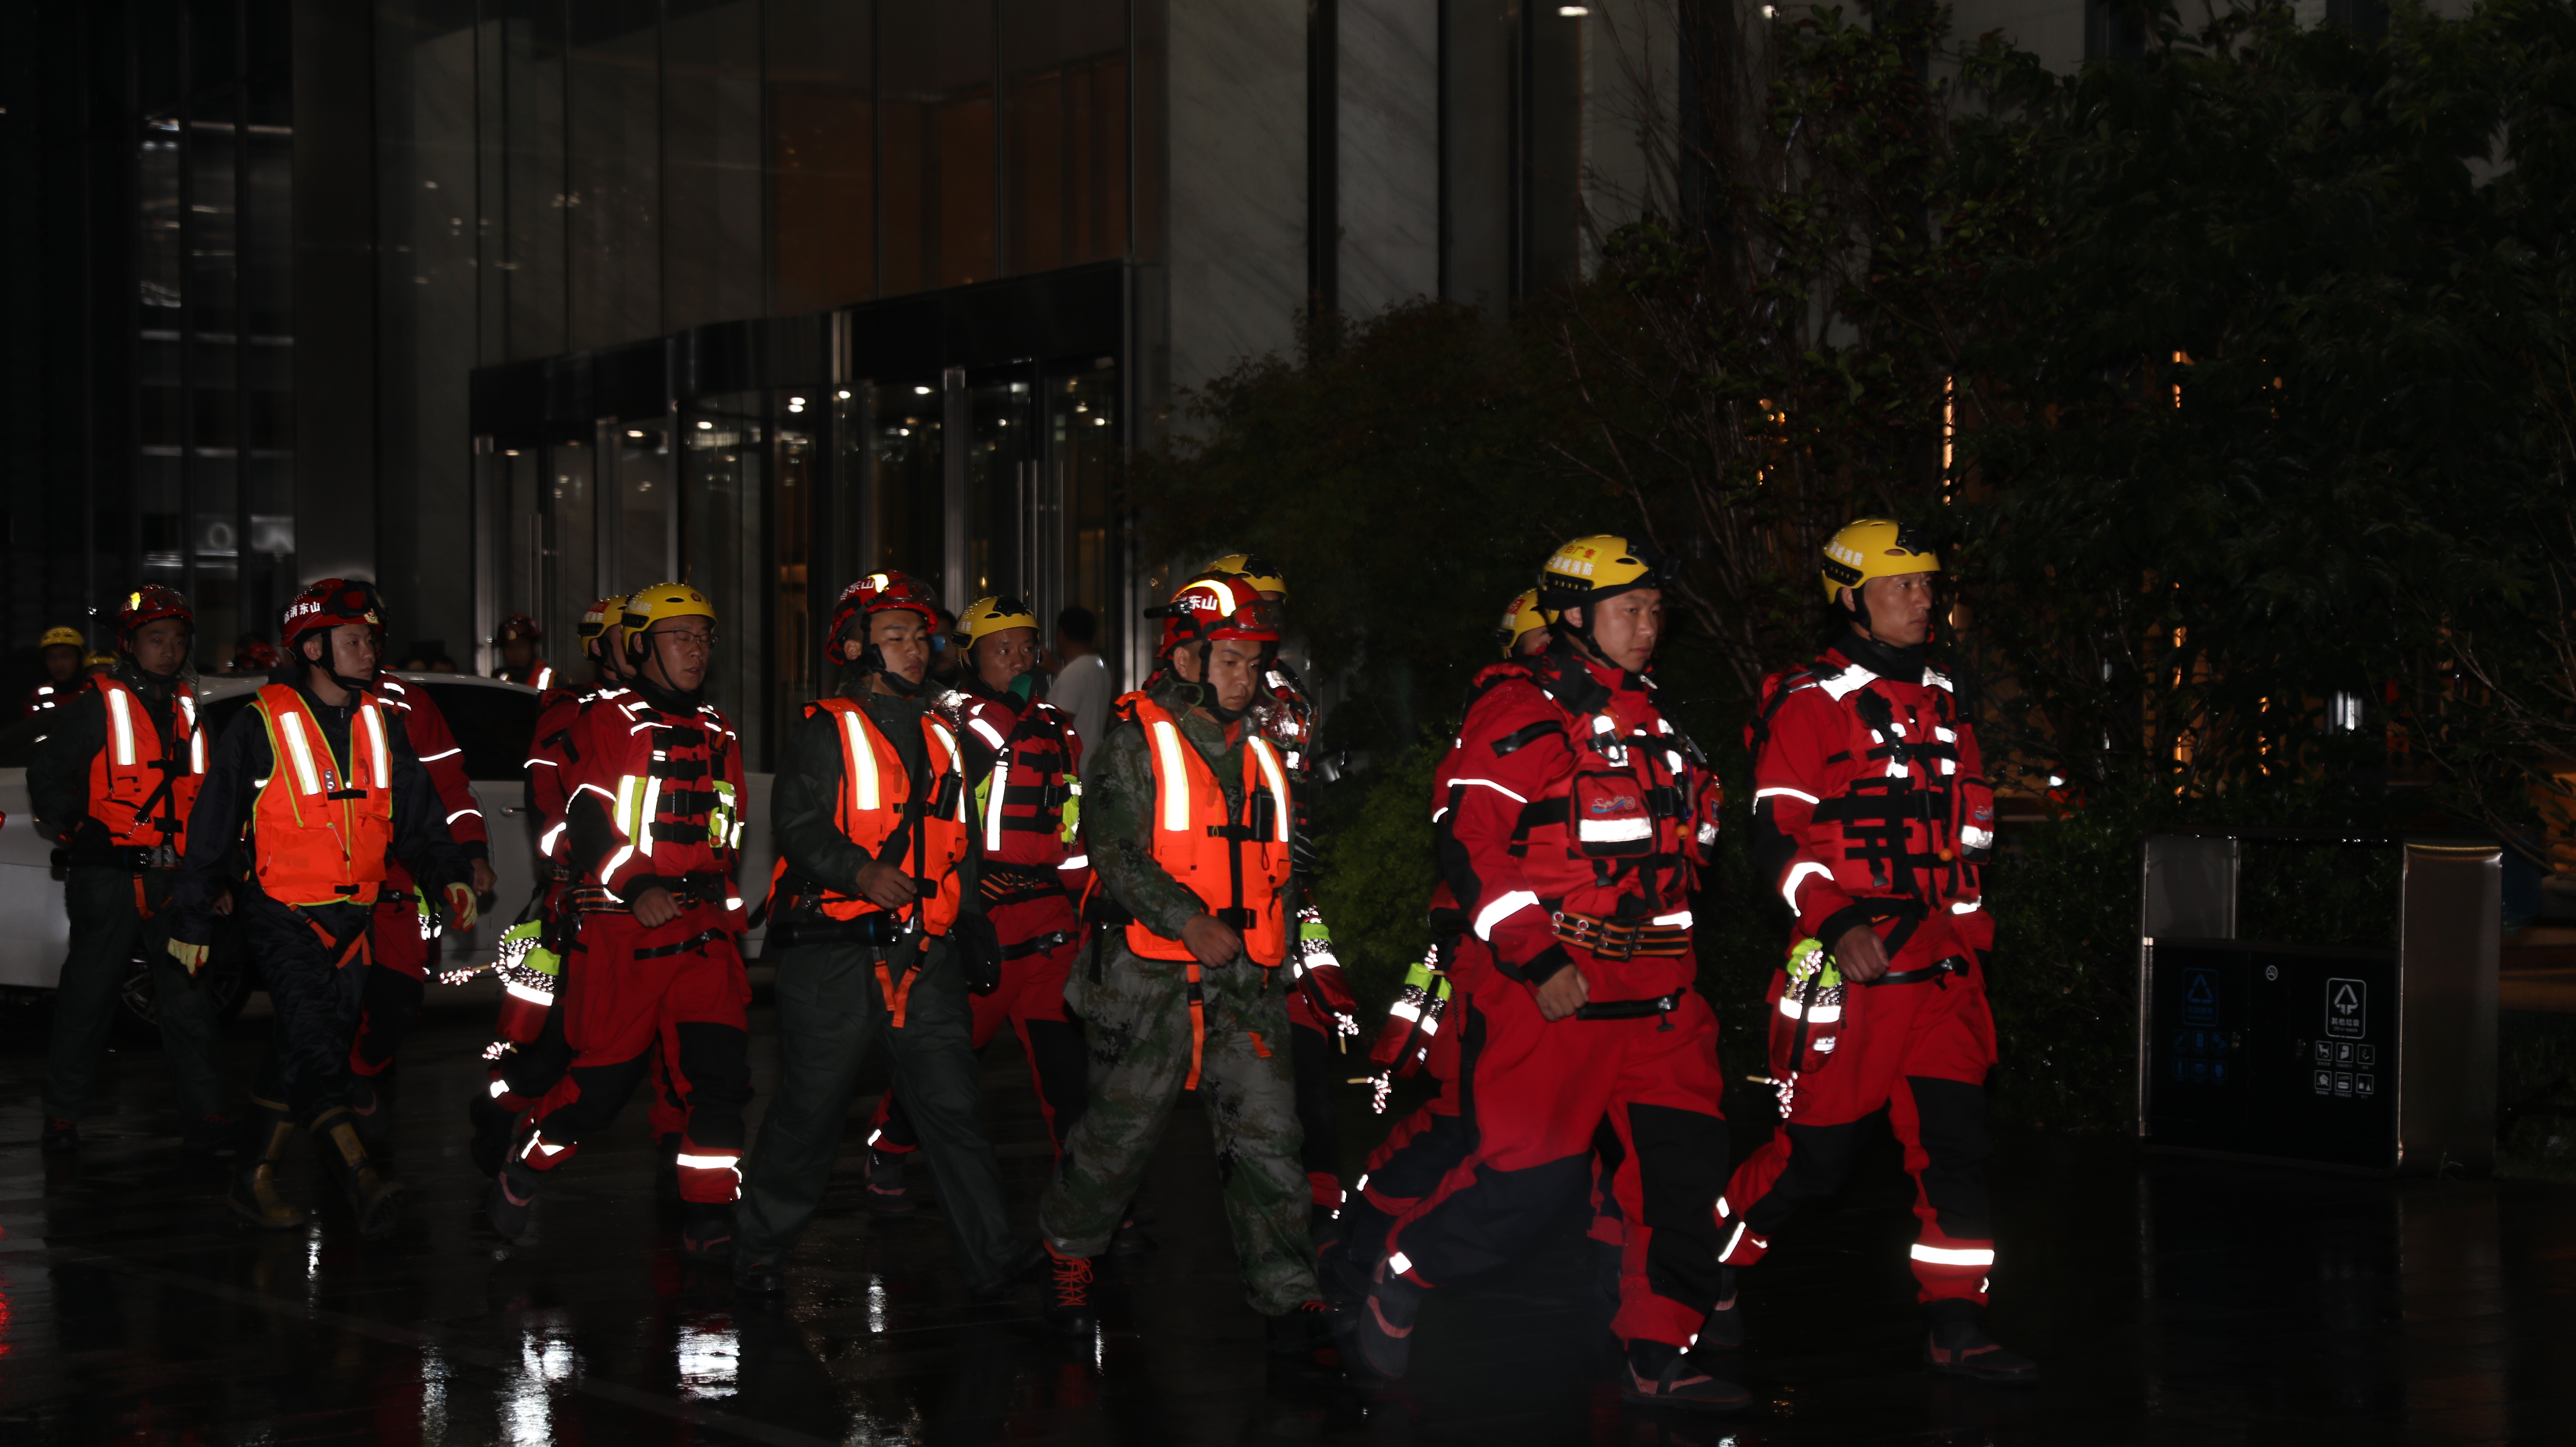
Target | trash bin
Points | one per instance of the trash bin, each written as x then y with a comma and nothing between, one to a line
2339,1010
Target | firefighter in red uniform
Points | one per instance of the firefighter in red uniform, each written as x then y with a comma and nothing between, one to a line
528,1054
1322,1011
517,639
112,783
655,832
1431,1142
1872,818
402,939
320,777
1571,820
1025,763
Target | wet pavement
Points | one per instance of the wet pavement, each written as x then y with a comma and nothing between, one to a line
2170,1301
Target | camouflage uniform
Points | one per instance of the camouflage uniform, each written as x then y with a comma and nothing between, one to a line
1136,1022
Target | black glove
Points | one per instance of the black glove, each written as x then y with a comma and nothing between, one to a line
979,949
88,841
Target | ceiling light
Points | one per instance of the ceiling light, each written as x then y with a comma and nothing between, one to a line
921,391
705,427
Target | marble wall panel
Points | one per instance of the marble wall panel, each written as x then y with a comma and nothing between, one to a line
1389,130
1238,182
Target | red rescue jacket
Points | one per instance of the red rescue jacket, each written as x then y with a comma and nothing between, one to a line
1568,793
671,784
1871,806
443,759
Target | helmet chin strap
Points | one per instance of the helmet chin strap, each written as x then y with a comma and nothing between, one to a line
1858,612
339,679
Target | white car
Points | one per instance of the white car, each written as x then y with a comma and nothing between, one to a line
493,722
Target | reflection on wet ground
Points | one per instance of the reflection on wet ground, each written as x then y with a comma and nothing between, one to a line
2170,1300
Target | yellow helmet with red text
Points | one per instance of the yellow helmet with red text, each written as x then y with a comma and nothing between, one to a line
1521,618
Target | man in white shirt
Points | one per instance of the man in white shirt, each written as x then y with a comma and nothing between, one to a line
1082,684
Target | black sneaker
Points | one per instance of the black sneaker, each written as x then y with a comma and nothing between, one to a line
495,1126
1379,1328
512,1197
1068,1307
707,1233
371,1107
760,1273
887,1194
1663,1375
61,1134
1301,1330
1957,1348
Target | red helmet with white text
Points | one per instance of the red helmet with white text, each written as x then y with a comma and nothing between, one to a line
1212,607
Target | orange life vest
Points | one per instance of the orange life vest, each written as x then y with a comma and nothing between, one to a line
1236,864
140,794
321,838
876,799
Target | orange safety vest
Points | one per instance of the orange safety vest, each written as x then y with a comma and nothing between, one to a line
129,777
876,798
322,838
1238,867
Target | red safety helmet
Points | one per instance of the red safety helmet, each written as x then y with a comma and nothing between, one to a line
328,604
150,604
882,592
1212,607
256,655
519,627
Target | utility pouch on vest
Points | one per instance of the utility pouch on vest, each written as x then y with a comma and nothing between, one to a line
979,949
1612,813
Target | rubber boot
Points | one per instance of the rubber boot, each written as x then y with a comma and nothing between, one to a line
507,1205
1958,1347
375,1197
253,1192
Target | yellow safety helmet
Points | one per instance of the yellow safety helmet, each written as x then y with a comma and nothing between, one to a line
656,604
601,616
98,661
1603,565
1867,548
1521,618
63,638
1251,568
987,616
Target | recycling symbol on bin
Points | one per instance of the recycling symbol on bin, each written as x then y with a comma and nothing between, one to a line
2347,1009
2200,997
